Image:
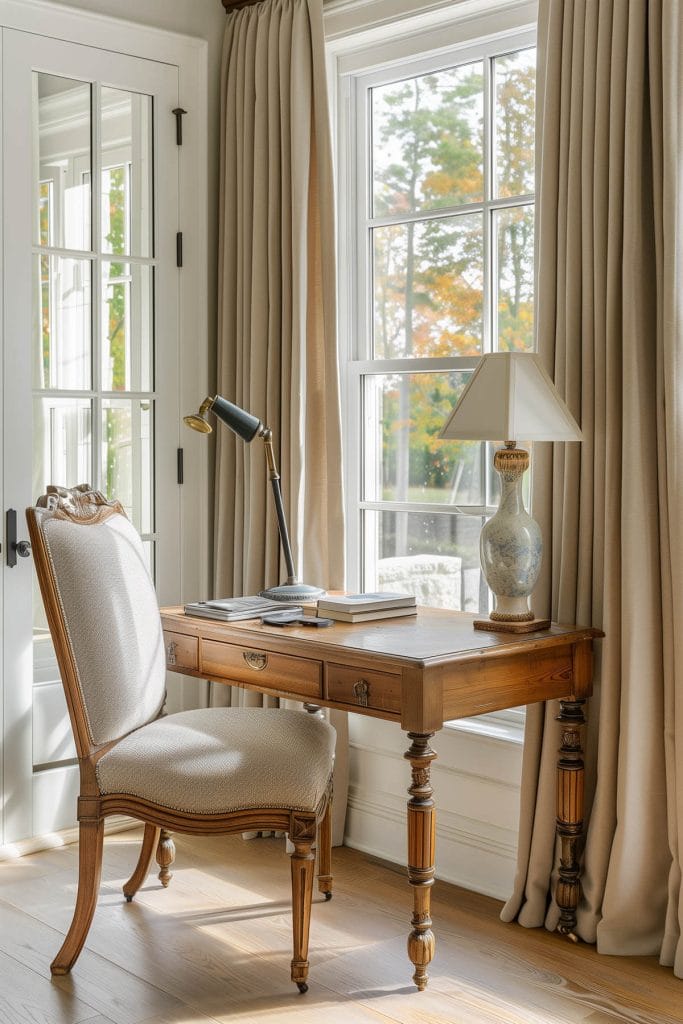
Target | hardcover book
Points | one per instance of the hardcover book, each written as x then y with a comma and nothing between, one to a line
367,602
369,616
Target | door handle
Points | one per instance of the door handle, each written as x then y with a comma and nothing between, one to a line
22,548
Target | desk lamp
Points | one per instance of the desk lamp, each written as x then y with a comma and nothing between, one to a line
510,397
248,427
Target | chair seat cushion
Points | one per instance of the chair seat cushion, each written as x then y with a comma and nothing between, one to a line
217,760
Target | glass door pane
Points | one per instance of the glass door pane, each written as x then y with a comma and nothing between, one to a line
126,162
62,307
62,197
127,328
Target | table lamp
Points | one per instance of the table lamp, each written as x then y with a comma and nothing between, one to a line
247,426
511,398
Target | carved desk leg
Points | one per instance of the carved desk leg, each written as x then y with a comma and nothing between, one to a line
165,856
570,803
421,846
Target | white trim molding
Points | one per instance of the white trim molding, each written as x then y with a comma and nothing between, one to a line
64,837
358,25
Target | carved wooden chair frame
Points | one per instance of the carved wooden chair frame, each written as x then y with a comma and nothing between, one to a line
87,508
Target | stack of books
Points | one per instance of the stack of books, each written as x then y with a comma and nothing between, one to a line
367,607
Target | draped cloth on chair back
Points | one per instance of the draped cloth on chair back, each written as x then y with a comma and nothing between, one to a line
110,617
276,345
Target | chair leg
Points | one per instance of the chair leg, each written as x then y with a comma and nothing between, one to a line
149,845
303,869
165,856
325,853
90,844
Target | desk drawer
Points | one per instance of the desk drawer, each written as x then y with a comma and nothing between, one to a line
364,688
181,651
300,676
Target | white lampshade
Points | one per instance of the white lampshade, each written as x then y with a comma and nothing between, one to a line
510,397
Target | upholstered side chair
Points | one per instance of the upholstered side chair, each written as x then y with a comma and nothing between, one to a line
219,770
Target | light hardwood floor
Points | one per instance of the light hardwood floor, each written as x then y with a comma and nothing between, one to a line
216,946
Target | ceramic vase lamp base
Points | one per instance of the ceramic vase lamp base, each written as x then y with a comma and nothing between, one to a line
511,550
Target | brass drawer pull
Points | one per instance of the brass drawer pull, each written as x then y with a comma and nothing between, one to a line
170,653
255,660
361,691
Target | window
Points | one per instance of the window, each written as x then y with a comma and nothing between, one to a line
439,173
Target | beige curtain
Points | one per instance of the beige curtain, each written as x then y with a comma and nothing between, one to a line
609,237
277,353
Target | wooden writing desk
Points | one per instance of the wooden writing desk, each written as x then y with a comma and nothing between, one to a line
418,672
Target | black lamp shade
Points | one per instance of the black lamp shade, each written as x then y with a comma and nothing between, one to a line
240,422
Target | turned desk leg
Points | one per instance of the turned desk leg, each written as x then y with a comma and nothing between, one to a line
570,809
421,845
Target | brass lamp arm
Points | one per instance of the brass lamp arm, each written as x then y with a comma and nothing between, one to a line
274,477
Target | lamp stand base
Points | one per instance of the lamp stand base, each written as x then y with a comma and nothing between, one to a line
531,626
293,593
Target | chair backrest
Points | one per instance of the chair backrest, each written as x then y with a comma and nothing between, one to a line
103,614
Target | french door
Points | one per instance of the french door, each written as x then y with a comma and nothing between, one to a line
90,354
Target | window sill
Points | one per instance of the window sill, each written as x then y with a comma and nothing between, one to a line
503,726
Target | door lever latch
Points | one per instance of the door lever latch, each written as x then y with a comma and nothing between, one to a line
15,547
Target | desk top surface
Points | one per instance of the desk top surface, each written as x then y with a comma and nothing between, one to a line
433,634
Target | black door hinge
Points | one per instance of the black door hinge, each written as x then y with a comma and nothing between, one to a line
180,466
178,112
179,249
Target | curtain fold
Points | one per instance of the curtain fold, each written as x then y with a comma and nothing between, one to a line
610,149
277,354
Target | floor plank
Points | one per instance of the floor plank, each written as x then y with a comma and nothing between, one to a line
216,946
26,998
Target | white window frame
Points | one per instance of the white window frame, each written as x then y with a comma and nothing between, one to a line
357,62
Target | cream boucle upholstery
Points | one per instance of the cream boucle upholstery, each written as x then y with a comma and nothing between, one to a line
218,760
112,619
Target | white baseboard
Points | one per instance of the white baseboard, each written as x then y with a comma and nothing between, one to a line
467,855
66,836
